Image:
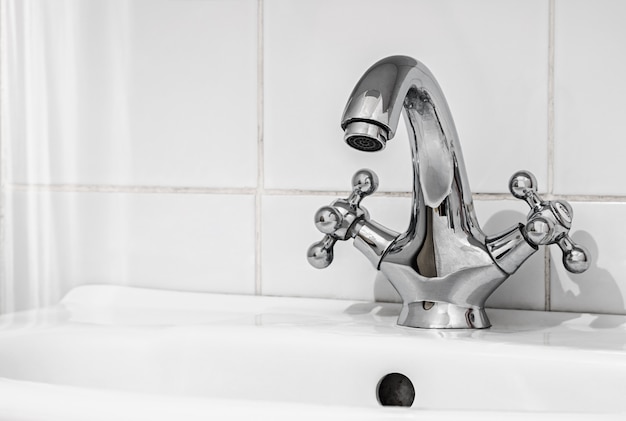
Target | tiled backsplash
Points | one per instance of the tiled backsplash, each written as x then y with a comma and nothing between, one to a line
186,144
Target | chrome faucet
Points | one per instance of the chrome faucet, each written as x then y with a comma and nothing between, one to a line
444,267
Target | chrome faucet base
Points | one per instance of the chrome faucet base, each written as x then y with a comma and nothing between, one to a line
443,266
439,315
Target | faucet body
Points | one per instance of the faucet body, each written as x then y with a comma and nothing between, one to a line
443,266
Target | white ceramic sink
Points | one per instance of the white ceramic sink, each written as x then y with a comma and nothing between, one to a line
111,352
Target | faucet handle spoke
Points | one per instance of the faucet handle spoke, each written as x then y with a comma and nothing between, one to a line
576,258
523,185
364,183
549,222
328,219
320,255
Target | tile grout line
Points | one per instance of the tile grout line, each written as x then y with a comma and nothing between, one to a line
6,265
260,187
550,128
156,189
3,166
550,151
111,188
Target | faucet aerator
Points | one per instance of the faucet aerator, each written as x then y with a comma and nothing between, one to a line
366,137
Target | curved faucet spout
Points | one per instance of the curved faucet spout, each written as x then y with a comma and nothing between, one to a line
371,117
373,111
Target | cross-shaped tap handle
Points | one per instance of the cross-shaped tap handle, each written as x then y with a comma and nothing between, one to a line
337,219
549,222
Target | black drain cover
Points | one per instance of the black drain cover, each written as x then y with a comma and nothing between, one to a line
395,389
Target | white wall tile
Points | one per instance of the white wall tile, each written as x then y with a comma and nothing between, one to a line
138,92
288,231
489,56
602,288
171,241
590,63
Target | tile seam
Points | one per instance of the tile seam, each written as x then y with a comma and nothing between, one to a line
550,146
258,234
3,166
145,189
551,128
109,188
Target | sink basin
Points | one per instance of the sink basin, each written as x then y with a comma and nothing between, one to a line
109,352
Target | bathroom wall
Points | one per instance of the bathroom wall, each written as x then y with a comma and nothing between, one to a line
186,144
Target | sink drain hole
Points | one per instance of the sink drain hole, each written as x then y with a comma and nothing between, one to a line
395,389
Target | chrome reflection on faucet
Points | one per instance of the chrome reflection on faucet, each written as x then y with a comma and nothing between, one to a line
444,267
